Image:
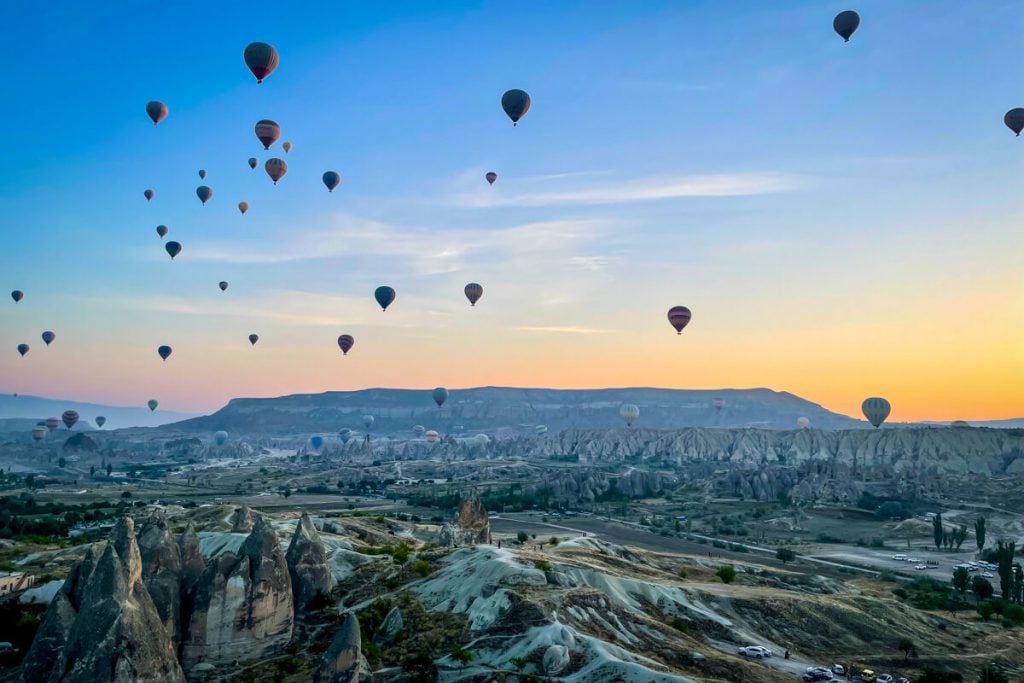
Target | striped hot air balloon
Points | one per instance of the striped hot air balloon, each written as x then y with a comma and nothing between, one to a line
261,59
629,413
276,168
432,436
69,418
473,293
419,430
679,317
268,132
345,343
876,409
38,434
52,423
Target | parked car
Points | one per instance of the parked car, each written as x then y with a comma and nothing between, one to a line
867,676
839,669
755,651
817,673
883,678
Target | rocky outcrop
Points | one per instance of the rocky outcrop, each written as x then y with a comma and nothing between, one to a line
390,628
242,607
556,658
80,443
161,570
343,662
307,564
243,520
470,526
103,625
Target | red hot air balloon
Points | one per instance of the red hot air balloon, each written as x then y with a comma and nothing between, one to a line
473,293
22,349
149,194
52,423
261,59
157,111
267,132
345,343
491,177
69,418
679,317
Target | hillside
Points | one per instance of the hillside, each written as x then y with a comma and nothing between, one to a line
498,408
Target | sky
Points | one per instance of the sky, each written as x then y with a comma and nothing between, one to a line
844,220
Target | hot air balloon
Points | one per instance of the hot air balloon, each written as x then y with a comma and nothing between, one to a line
679,317
69,418
515,103
48,337
1014,120
202,174
165,352
276,168
316,441
875,410
432,436
223,286
368,421
162,231
152,403
286,146
718,404
220,438
204,193
541,429
331,180
100,421
440,395
268,132
173,249
243,207
22,349
385,296
261,59
959,424
17,295
491,177
345,435
52,423
846,23
803,422
149,194
419,430
38,434
629,413
253,162
473,293
253,338
345,343
157,111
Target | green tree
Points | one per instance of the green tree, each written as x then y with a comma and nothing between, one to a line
937,531
554,540
960,535
979,533
992,674
461,655
982,587
110,468
518,663
785,555
61,462
92,471
727,573
522,537
1004,559
961,579
986,609
906,646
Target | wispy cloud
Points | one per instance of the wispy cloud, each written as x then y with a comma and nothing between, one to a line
593,263
562,330
639,190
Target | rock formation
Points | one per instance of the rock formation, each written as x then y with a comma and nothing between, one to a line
307,564
161,570
343,662
390,628
242,520
556,658
80,442
470,525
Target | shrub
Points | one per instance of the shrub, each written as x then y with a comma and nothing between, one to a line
785,555
727,573
542,565
683,573
422,568
985,610
679,624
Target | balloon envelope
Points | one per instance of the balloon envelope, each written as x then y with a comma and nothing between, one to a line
491,177
541,429
287,147
261,59
253,338
162,231
345,343
432,436
220,438
276,168
157,111
17,295
317,442
253,162
1014,120
100,421
473,292
440,395
368,421
419,430
204,193
629,413
202,174
52,423
385,296
679,317
173,249
223,286
48,337
331,180
165,352
718,403
38,434
515,103
875,409
268,132
23,349
846,23
149,194
152,403
803,422
345,435
69,418
243,206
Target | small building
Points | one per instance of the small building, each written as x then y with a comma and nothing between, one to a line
15,582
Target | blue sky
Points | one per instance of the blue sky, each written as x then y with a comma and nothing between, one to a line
844,219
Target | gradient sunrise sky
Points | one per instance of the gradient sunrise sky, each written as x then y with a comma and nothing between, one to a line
844,220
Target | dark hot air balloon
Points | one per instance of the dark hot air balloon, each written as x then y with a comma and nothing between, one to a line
164,352
276,168
253,338
204,193
368,421
345,343
220,437
286,146
1014,120
152,403
679,317
718,404
100,421
223,286
253,162
515,103
38,434
316,441
173,249
149,194
69,418
202,174
345,434
162,231
261,59
157,111
331,180
52,423
17,295
22,349
48,337
473,293
491,177
875,409
385,296
846,23
440,395
243,207
268,132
